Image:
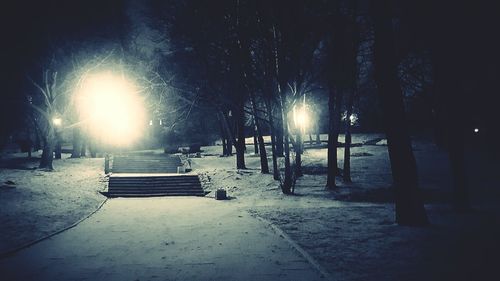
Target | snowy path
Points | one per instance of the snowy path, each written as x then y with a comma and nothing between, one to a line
162,239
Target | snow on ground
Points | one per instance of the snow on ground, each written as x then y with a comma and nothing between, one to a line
355,238
169,238
35,203
351,231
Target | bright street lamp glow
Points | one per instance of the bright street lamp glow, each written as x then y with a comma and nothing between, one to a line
57,121
353,119
111,108
301,118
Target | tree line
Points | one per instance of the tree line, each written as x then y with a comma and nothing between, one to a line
251,63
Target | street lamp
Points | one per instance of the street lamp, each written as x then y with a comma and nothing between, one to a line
301,118
111,108
57,121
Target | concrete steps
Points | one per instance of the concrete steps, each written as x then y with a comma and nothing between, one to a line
145,164
150,175
143,186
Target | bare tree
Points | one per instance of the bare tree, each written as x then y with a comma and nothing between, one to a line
409,206
47,109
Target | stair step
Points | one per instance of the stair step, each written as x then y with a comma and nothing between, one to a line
156,188
154,182
154,194
150,191
171,176
130,183
145,164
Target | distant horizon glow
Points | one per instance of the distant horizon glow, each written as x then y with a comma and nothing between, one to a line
111,109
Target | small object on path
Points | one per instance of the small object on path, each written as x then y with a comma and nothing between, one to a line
220,194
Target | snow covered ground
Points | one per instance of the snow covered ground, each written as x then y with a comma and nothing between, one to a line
35,203
168,238
350,232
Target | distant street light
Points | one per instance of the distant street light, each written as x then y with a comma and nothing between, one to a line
353,119
57,121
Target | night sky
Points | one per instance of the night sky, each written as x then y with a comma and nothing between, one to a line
32,31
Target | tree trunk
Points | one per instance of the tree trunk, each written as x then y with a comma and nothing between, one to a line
83,150
47,157
92,149
264,165
279,131
276,174
348,140
240,141
58,148
332,146
229,147
228,133
334,102
337,124
223,135
224,147
409,206
47,152
346,176
255,142
286,187
298,155
76,143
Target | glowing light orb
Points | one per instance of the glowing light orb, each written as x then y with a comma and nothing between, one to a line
57,121
301,118
111,109
476,130
353,119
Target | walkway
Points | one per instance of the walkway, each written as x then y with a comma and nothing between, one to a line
181,238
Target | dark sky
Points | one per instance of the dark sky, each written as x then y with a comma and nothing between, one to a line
32,30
